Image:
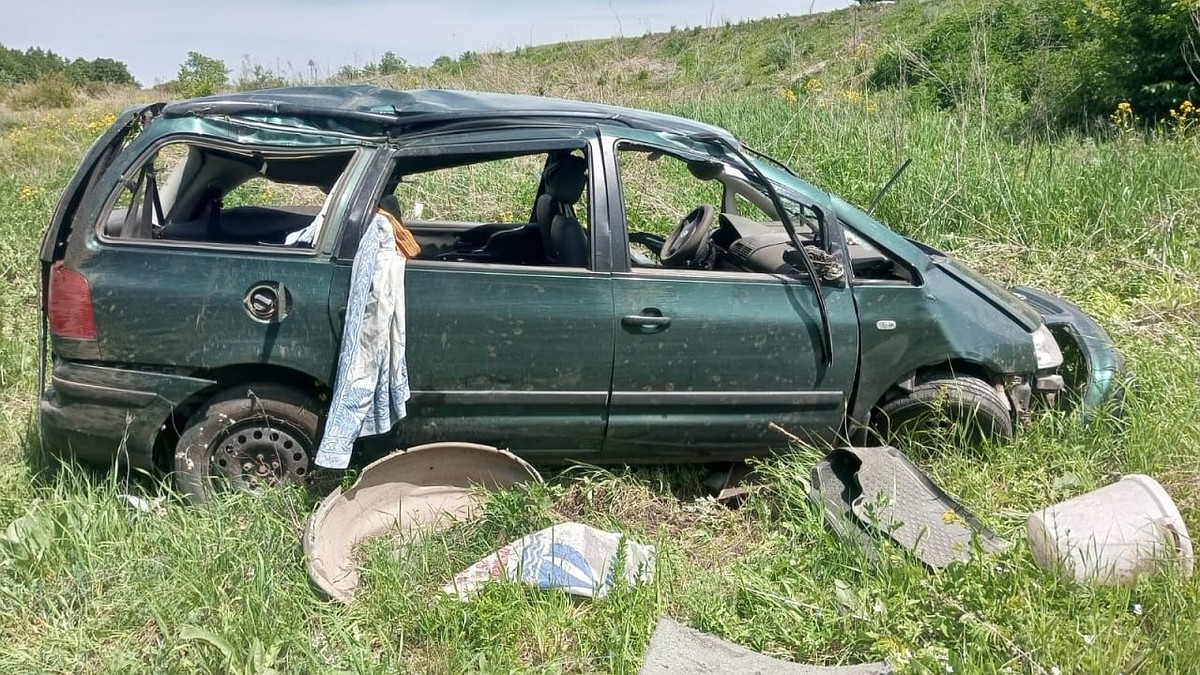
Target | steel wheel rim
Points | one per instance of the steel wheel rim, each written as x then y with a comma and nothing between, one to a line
259,453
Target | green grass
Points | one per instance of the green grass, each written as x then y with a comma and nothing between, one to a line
1111,222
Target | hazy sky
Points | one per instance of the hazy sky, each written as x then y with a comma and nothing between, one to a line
154,36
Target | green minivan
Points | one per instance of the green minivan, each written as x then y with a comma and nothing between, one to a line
595,283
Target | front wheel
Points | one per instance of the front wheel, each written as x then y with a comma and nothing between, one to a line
946,409
246,438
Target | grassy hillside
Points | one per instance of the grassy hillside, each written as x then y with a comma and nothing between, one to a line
1111,221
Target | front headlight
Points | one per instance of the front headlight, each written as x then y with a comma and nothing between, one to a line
1046,349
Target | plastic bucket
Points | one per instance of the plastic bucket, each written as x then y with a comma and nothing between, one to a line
1112,535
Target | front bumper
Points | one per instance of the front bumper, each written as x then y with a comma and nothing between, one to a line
1098,380
98,414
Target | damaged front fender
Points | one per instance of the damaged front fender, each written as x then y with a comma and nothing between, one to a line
1094,371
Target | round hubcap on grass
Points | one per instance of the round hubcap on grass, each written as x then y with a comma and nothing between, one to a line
255,454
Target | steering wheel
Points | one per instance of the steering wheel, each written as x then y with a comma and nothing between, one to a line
680,248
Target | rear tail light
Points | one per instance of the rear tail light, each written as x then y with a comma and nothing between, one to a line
70,304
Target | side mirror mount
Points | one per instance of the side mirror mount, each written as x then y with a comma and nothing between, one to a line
825,265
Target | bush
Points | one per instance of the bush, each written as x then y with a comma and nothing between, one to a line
1138,51
966,56
775,57
201,75
1064,62
54,90
255,76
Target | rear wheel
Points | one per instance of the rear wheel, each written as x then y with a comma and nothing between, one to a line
246,438
946,409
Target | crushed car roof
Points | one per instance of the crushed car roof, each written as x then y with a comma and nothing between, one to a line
388,109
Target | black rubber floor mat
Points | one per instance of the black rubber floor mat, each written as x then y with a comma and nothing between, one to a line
834,489
883,491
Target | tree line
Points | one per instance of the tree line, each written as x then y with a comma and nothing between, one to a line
32,64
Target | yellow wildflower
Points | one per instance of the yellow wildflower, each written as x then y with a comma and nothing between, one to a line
789,95
1123,118
1185,117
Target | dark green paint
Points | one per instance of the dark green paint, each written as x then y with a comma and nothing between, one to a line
554,363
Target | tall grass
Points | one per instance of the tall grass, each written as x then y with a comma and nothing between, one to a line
91,585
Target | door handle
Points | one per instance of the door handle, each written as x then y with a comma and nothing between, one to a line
649,321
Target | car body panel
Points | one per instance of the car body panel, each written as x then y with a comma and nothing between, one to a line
99,414
939,325
197,316
518,356
741,351
194,313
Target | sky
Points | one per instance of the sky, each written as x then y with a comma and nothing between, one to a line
153,37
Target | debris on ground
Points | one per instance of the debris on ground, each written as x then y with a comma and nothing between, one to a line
153,505
867,490
1112,535
570,557
732,484
415,490
676,649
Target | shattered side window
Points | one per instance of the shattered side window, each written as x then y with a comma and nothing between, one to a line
497,191
525,209
658,190
191,193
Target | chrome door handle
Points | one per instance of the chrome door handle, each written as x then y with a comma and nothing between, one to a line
650,320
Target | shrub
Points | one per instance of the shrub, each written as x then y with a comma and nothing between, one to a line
256,76
54,90
1065,62
1140,51
201,75
775,57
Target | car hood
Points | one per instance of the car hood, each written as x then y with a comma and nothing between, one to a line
993,292
988,289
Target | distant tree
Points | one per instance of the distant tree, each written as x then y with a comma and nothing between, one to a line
390,64
201,75
35,63
111,71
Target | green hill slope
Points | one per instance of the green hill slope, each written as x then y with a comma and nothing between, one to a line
1110,220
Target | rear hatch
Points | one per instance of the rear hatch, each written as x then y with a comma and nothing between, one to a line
97,158
71,315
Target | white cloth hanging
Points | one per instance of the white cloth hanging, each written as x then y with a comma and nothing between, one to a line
372,377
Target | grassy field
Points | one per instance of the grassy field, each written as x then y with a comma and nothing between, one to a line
89,585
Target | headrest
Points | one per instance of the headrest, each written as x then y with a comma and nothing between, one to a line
390,204
566,176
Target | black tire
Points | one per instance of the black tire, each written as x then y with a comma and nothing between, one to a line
945,409
247,437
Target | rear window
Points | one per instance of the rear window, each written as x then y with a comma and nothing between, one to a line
187,192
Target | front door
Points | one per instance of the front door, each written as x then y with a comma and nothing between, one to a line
706,361
707,354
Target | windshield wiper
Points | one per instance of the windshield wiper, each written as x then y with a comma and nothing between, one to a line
786,219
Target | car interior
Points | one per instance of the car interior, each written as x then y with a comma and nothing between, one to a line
198,193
